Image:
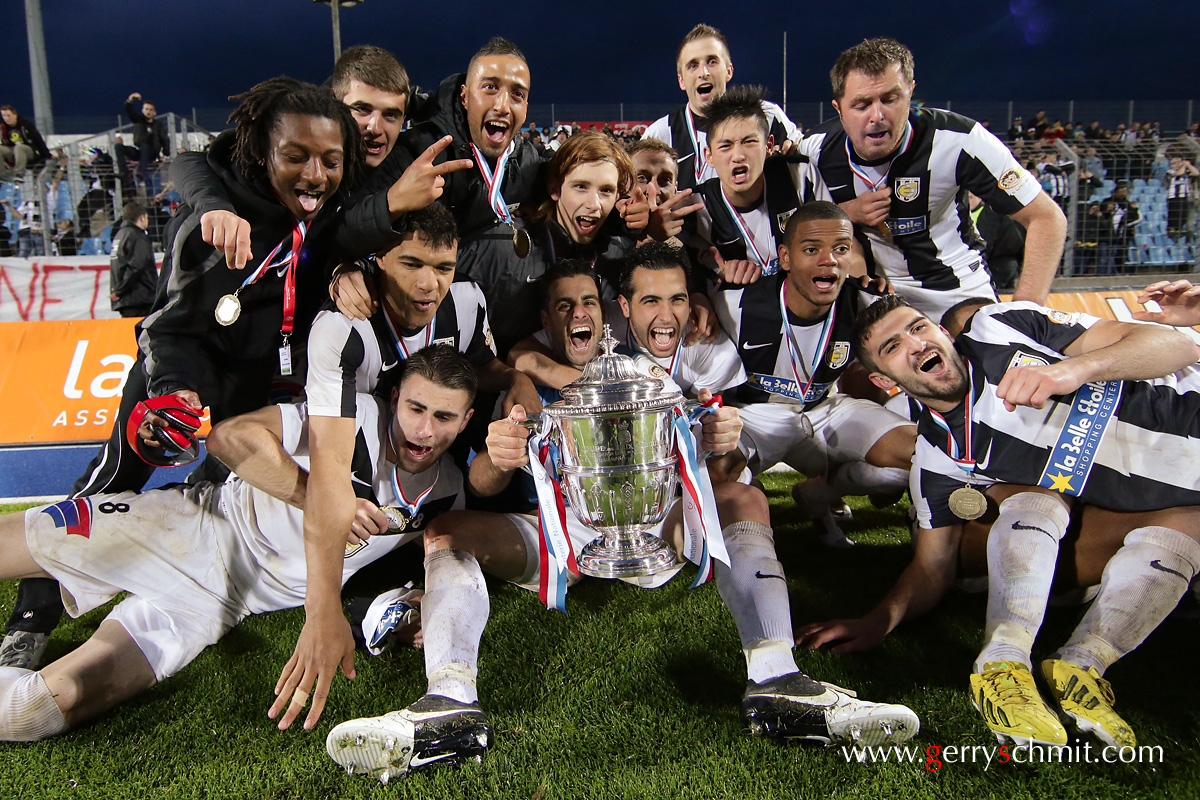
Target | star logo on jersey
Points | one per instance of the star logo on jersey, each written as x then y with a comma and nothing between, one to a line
782,218
839,354
1061,483
908,189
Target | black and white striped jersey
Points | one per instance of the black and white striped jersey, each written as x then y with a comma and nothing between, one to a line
752,317
681,128
348,356
933,242
1120,445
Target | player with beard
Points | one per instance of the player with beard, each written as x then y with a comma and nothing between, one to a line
1035,408
793,332
285,164
903,176
198,558
448,725
703,68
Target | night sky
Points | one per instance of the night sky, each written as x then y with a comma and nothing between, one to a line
186,55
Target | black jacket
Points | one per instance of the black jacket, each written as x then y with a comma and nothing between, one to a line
24,132
369,228
152,132
184,346
132,274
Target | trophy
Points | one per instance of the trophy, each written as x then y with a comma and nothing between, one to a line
614,429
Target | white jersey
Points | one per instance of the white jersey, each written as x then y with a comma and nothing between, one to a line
348,357
715,366
678,128
267,539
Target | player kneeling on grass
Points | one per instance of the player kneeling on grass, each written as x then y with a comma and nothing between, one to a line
1037,408
448,725
197,559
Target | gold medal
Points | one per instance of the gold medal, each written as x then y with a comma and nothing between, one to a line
521,242
397,519
229,308
967,503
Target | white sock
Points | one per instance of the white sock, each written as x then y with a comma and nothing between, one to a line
754,589
858,477
1141,585
1021,551
454,612
27,709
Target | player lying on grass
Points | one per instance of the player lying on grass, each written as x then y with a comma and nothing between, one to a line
1038,409
448,725
197,559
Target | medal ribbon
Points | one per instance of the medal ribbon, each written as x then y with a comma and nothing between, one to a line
554,546
964,458
632,344
699,162
794,355
402,349
763,263
702,526
875,186
495,199
410,506
274,260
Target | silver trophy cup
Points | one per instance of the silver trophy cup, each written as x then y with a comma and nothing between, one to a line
615,435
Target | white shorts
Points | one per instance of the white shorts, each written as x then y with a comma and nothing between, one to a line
580,535
844,429
161,547
933,303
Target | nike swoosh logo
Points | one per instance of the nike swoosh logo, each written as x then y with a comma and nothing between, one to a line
1156,564
355,479
392,365
760,575
749,346
532,279
417,761
1019,527
835,188
986,457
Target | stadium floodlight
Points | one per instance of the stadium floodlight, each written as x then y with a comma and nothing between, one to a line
337,25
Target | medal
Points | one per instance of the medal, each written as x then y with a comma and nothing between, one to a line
796,358
521,242
882,227
967,503
493,180
229,308
397,519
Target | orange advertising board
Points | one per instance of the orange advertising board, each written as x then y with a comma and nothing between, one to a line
62,381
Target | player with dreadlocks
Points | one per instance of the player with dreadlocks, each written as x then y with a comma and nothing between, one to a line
218,337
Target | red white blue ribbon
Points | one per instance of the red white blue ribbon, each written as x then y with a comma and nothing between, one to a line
413,507
401,348
703,540
699,162
875,186
795,356
964,458
493,182
769,266
557,557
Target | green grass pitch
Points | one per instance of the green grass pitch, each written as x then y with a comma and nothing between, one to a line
632,694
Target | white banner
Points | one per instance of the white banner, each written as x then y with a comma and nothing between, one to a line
55,288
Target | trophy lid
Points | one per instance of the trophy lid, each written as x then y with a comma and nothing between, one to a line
612,382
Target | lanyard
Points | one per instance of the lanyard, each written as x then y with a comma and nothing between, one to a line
875,186
410,506
763,262
964,458
795,356
275,259
699,162
492,182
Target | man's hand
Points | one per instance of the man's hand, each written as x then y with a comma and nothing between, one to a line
850,635
369,520
635,210
521,392
667,219
878,284
228,232
1033,386
423,181
719,431
507,440
187,397
736,271
1179,301
703,321
134,96
354,296
324,644
869,209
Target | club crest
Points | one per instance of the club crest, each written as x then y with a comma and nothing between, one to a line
908,189
839,354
